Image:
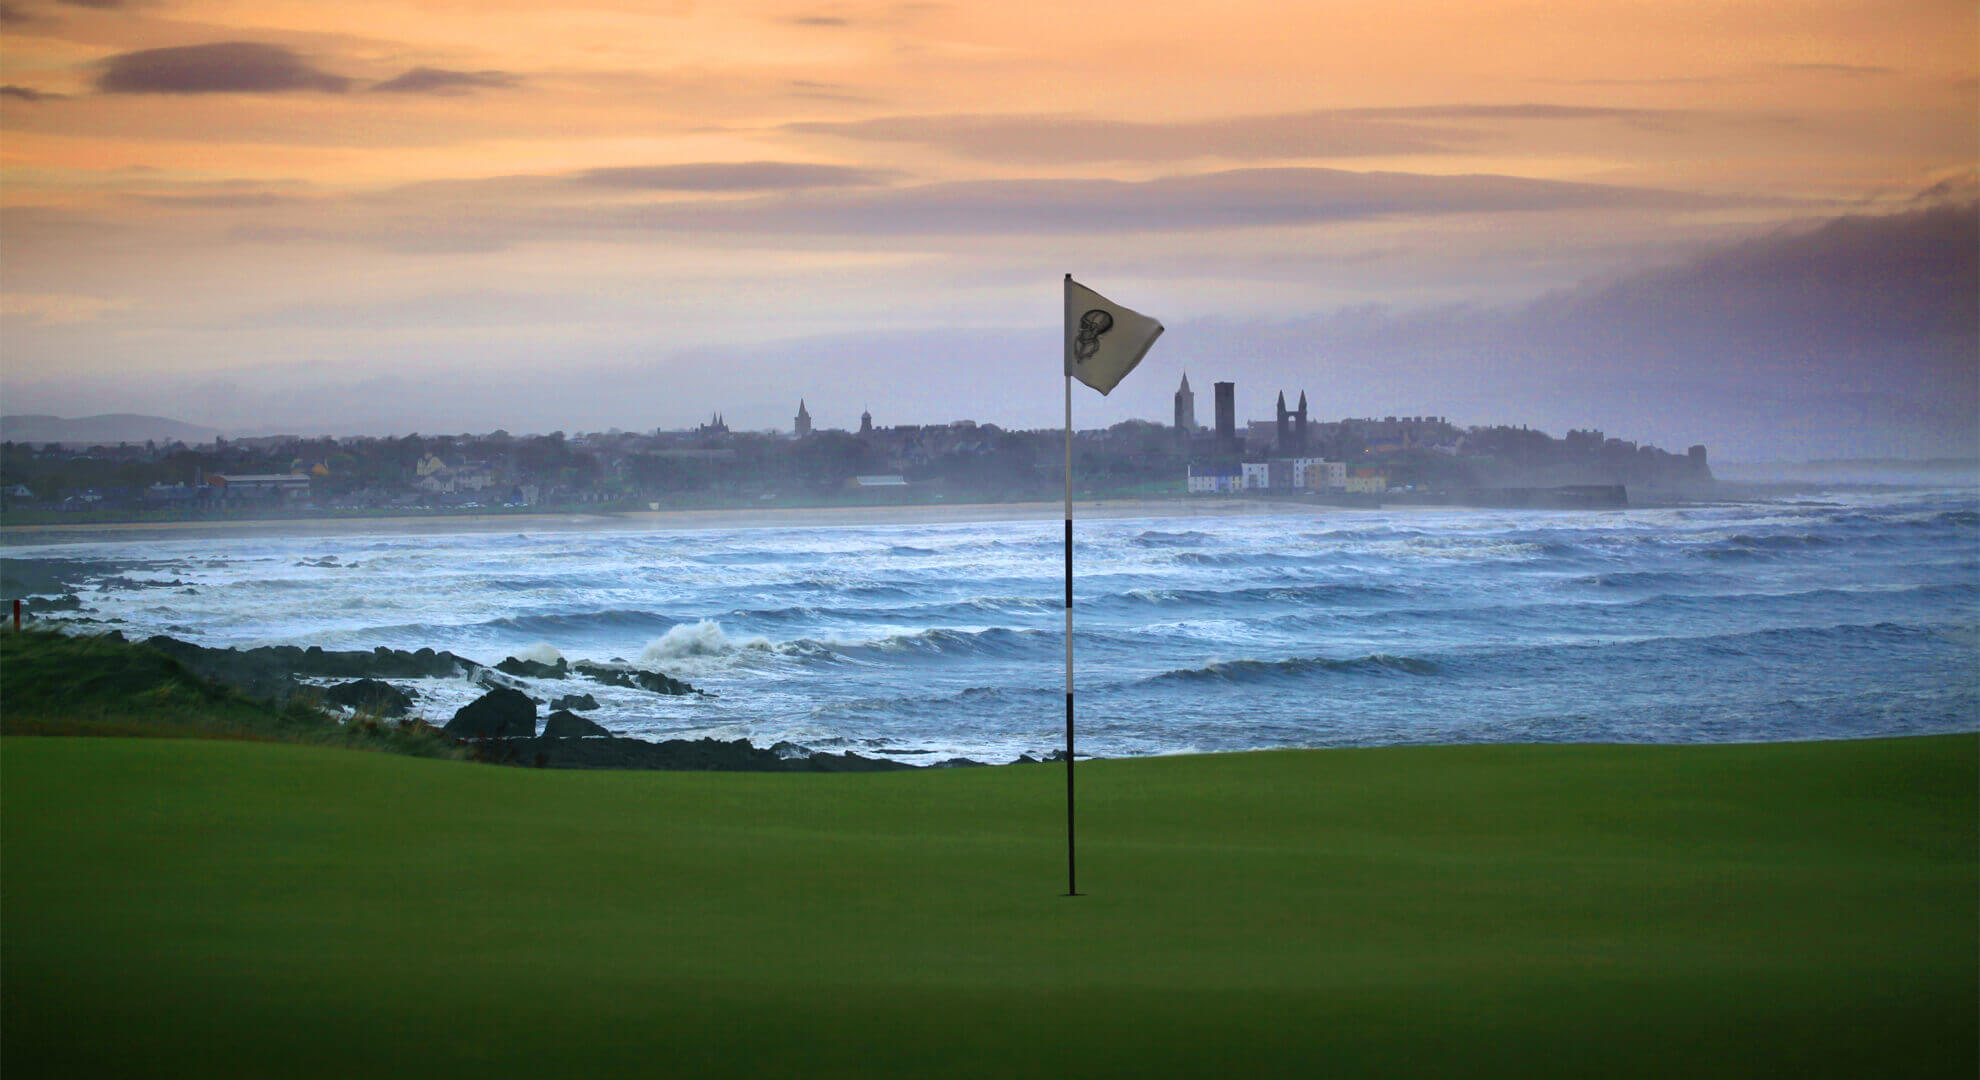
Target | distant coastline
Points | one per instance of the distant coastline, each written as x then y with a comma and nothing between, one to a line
1774,481
671,519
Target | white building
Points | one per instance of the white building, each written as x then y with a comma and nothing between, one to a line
1257,475
276,485
1214,480
1317,473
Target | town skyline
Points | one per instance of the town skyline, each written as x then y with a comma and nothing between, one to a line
135,428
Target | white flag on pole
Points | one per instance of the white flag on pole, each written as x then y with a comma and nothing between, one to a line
1104,341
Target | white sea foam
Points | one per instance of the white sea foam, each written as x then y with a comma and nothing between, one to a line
542,652
704,638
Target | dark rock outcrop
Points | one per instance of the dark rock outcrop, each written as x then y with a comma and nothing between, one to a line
700,755
574,701
269,671
533,669
120,583
569,725
637,678
370,695
501,713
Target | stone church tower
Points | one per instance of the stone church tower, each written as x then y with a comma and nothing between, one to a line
803,421
1185,408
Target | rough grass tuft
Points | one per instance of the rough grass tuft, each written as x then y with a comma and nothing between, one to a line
52,683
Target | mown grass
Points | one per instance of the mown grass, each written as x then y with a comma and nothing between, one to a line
54,683
237,909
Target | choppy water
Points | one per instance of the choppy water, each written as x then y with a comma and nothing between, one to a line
1848,614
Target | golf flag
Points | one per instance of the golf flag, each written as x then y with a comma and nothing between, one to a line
1104,341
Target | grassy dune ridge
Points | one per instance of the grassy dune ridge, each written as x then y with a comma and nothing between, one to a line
231,908
55,683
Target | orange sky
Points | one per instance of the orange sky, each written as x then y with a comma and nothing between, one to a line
193,189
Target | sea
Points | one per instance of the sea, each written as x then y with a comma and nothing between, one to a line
1816,615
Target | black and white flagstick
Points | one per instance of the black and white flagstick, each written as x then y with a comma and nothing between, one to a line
1072,876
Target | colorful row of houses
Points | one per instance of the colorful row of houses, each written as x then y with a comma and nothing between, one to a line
1287,474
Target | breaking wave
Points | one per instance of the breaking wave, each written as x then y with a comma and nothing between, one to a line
1325,592
542,652
1299,667
704,638
579,622
1155,538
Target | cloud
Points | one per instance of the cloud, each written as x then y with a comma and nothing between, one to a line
25,93
1072,138
1668,80
100,5
239,200
13,16
806,204
1176,225
1241,198
226,67
826,91
56,309
1851,71
1847,337
426,80
1657,118
739,176
827,21
1366,132
1900,286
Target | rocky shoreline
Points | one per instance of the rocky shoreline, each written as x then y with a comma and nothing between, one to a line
501,726
692,755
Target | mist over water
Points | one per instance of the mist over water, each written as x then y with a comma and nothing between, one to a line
1841,615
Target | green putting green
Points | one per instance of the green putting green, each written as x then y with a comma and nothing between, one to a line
219,908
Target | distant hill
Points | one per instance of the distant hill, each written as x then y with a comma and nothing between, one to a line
106,430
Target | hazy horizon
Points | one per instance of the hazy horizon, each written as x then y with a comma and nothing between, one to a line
1755,231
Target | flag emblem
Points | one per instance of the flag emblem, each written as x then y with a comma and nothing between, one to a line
1091,326
1104,341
